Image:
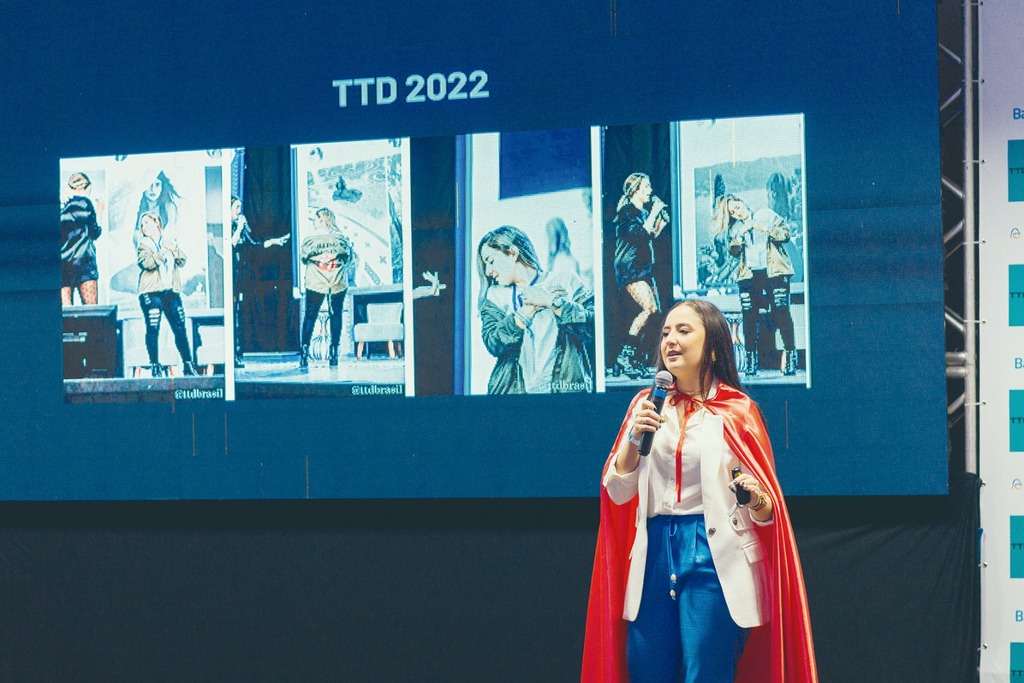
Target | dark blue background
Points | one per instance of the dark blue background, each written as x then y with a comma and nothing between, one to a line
123,77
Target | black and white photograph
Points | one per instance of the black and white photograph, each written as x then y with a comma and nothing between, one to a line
639,226
530,248
347,242
742,242
142,274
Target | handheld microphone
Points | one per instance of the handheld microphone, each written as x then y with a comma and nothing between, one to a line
663,214
662,381
742,495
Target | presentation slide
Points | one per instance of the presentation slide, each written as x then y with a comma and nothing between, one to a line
430,258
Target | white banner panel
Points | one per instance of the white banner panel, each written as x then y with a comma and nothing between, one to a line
1001,337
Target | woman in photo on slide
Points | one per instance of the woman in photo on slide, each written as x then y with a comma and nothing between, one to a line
539,326
329,261
79,230
640,217
160,260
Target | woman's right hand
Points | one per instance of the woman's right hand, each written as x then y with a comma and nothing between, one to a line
647,420
524,316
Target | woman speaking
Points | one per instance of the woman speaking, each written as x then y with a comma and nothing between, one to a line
690,583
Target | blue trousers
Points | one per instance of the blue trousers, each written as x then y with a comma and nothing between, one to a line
683,631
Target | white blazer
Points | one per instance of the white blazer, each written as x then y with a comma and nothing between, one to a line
735,547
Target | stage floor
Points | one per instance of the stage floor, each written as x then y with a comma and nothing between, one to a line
278,375
144,389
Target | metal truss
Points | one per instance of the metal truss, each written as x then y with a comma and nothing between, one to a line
957,33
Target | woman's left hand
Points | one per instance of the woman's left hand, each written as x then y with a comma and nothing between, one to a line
748,483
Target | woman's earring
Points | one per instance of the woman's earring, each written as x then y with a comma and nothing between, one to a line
713,359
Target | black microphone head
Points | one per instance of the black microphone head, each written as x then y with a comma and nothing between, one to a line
664,379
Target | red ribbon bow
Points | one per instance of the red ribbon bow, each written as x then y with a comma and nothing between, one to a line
690,406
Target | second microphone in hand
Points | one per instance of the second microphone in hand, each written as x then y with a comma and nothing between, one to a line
662,381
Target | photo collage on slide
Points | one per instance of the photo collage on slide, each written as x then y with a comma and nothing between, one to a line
528,262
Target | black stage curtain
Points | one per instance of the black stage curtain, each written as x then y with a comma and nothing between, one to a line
463,590
268,315
893,585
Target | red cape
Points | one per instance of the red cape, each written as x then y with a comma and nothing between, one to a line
780,651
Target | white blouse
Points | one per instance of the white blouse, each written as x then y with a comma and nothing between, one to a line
662,498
